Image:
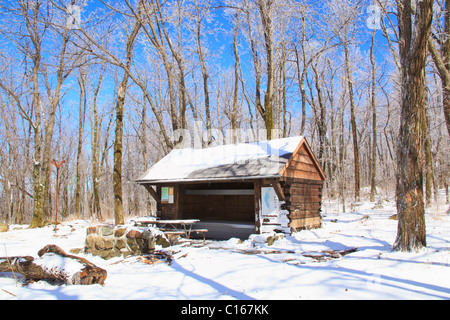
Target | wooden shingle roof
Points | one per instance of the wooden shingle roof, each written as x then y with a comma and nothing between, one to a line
263,159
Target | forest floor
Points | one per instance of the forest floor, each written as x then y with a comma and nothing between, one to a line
311,264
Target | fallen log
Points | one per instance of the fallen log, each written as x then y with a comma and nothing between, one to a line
328,254
54,264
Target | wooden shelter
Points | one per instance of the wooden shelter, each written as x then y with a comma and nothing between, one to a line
257,187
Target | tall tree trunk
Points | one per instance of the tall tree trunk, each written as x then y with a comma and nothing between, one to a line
301,79
205,76
95,146
373,185
446,54
236,76
414,35
342,156
284,88
266,111
265,12
446,106
82,84
158,41
442,62
38,206
352,120
118,143
428,160
61,75
320,116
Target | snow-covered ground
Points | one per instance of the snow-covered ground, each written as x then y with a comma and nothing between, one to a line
290,268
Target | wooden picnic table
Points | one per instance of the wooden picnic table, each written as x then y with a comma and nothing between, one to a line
177,226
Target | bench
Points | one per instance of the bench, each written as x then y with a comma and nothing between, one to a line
175,232
169,232
202,231
174,227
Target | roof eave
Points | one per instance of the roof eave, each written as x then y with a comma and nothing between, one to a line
152,182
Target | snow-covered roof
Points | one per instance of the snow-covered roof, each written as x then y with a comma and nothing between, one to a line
234,161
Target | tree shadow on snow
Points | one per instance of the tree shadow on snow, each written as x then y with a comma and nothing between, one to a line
371,277
215,285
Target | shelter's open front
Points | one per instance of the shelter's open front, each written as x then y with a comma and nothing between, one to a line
225,209
237,190
218,201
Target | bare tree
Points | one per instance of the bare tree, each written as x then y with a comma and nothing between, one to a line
35,35
95,146
345,41
37,23
118,143
201,12
414,24
95,47
373,169
441,59
342,20
81,121
237,69
28,13
264,15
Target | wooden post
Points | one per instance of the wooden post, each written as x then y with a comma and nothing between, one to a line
257,191
158,203
156,195
180,193
278,190
153,193
177,198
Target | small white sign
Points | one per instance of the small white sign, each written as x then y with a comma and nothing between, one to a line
269,201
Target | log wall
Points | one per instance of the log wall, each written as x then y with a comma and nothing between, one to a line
303,190
303,201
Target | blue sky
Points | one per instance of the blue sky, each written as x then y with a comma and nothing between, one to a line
222,42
